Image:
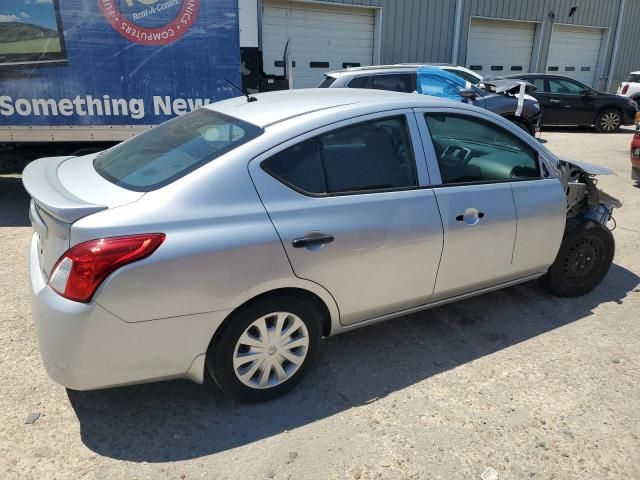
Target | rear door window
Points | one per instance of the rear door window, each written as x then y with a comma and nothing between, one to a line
173,149
368,156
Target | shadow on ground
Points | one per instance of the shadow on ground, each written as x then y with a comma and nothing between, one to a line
179,420
14,202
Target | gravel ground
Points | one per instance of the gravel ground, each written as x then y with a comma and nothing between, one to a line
518,381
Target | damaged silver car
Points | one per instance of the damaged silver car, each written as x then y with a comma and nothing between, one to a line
230,240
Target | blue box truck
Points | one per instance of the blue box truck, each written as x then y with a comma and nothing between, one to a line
105,70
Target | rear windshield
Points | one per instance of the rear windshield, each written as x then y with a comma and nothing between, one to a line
326,83
633,78
169,151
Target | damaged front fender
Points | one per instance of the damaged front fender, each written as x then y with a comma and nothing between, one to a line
583,197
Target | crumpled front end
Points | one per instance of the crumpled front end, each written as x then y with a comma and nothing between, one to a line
584,198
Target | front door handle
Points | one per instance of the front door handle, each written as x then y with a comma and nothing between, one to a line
312,239
555,101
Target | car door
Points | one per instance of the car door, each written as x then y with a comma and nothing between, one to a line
567,104
349,203
549,108
493,232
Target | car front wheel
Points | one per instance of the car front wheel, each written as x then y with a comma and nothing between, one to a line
608,121
584,258
265,349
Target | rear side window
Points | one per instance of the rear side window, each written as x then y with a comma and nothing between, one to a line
400,82
169,151
360,82
327,82
473,150
369,156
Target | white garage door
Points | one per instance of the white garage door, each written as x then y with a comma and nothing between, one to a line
323,37
574,52
499,47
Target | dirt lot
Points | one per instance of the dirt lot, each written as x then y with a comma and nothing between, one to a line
529,385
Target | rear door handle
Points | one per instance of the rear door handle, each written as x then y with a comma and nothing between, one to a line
471,216
311,240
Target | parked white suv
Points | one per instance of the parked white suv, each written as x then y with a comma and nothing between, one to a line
631,86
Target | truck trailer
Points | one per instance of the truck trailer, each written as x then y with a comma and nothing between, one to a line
78,75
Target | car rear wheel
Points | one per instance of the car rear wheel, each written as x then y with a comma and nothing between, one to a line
265,349
584,258
608,121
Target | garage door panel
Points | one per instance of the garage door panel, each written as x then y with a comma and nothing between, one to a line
486,45
305,43
285,21
318,33
313,14
574,51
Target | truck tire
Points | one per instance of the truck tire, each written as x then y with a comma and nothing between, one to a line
584,258
608,121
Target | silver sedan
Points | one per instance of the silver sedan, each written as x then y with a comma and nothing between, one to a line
232,239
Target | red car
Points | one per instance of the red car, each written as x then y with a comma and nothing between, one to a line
635,152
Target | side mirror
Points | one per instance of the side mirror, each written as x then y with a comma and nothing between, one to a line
468,93
586,92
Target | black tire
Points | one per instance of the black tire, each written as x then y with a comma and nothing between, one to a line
605,118
221,351
584,258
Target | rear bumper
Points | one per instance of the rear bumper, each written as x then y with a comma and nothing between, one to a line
84,347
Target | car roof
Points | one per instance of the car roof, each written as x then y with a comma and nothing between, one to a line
274,107
385,68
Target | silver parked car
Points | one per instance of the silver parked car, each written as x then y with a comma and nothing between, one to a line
233,238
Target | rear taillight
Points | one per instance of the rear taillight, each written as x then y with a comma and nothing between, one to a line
624,89
81,270
635,146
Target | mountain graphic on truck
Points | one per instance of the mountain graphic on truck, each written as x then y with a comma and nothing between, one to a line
25,38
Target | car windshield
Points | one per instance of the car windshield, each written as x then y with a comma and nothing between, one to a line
162,155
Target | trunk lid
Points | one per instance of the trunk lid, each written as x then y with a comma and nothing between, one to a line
63,190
